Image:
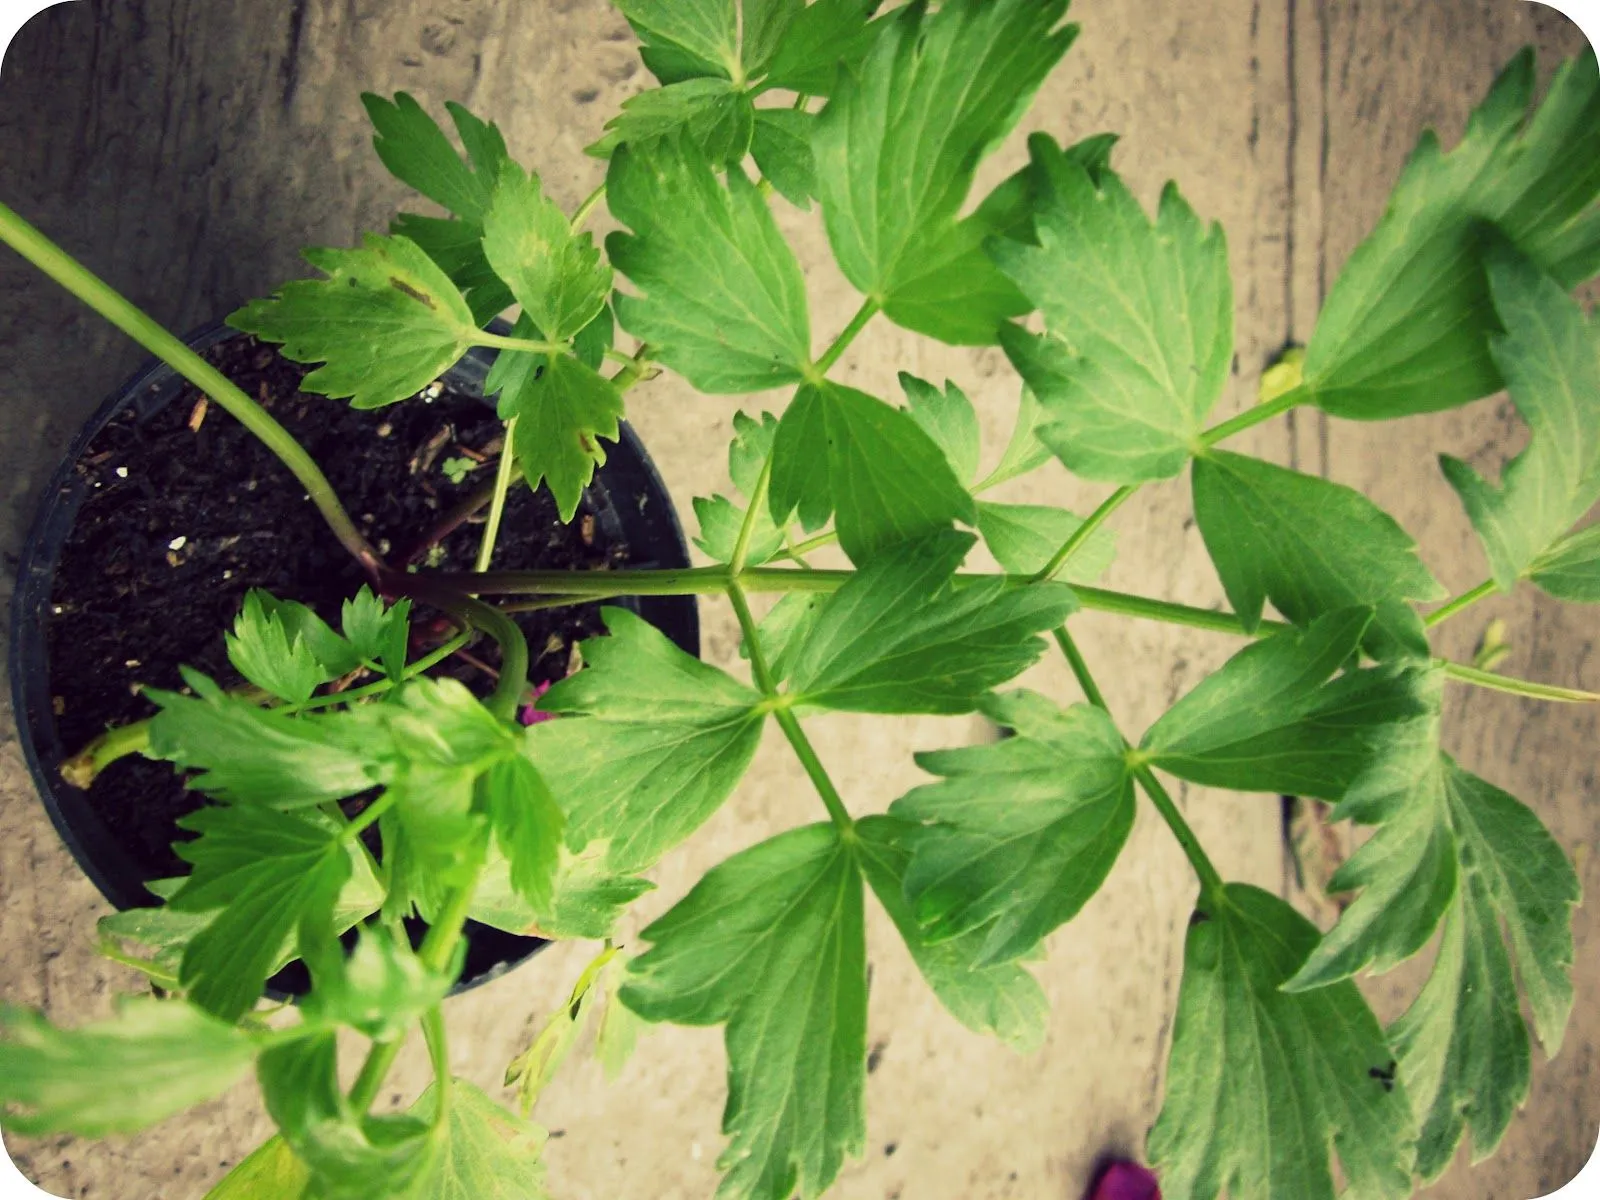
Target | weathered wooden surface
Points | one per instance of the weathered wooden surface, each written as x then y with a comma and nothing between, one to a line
185,150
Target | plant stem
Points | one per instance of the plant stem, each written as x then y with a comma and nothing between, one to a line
368,815
433,1029
450,522
741,548
759,670
1081,534
632,373
1255,415
1080,669
513,681
483,337
103,299
1464,601
588,206
497,499
1516,687
869,309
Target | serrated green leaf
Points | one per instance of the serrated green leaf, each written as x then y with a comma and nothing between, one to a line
708,30
264,652
335,655
900,140
827,36
378,632
651,742
949,419
841,451
379,990
385,323
1570,570
781,146
713,114
1024,538
1271,719
152,1059
268,872
1549,357
271,1172
1009,210
1139,320
554,273
1405,328
1462,1045
457,247
1311,546
724,302
899,637
721,519
562,412
771,942
1017,836
528,826
418,153
1264,1086
481,1152
254,755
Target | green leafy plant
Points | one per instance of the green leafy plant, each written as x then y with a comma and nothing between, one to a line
331,811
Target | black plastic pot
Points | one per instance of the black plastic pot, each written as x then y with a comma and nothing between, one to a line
627,496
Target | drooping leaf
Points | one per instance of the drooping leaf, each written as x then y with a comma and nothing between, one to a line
618,1032
562,413
1462,1046
269,656
483,1152
377,632
900,140
1017,836
554,273
1311,546
532,1070
1002,999
842,451
1549,357
270,1172
1139,321
771,942
378,990
152,1059
385,323
899,637
827,36
724,302
268,872
949,419
1405,328
1271,719
651,742
1570,570
708,30
1024,537
528,826
712,113
1265,1086
418,153
781,145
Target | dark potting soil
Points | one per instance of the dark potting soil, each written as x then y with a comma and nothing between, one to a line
186,512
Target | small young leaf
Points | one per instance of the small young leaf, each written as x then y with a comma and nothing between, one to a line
949,419
1311,546
335,654
898,637
827,36
269,656
713,114
1264,1085
706,29
1139,317
842,451
562,412
781,145
152,1059
1024,537
651,742
418,153
533,1069
1017,836
1570,570
1405,328
1270,720
379,633
528,825
724,302
1003,999
900,140
771,942
385,323
379,990
1549,357
555,274
720,518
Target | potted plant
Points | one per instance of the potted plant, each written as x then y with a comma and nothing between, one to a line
1280,1076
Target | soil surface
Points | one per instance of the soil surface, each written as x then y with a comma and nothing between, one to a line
186,512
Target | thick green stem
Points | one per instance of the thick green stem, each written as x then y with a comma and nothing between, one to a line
497,498
869,309
110,304
528,345
635,369
1081,534
1464,601
513,680
1515,687
1255,415
433,1029
580,217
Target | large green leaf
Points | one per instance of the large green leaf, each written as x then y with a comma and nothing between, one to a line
724,302
1017,836
772,943
1462,1045
385,323
841,451
152,1059
900,140
949,419
1002,999
1139,320
554,273
562,412
1264,1086
457,247
1311,546
1405,328
651,742
1549,357
900,637
827,37
1271,720
711,113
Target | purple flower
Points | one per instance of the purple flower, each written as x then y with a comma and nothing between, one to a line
531,715
1122,1180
